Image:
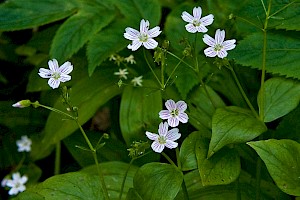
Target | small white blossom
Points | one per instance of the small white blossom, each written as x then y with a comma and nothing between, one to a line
175,113
122,73
195,22
56,74
112,57
4,181
143,37
130,59
137,81
164,138
218,47
16,184
24,144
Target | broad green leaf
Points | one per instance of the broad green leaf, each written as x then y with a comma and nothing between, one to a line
282,158
233,125
133,195
16,14
280,97
158,181
222,168
139,111
78,29
282,53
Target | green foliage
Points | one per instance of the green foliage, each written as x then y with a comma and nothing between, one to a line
282,158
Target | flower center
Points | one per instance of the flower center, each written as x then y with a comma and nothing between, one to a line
17,185
143,37
218,47
56,75
174,112
162,140
196,22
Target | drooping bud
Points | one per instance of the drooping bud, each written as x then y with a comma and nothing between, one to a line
22,104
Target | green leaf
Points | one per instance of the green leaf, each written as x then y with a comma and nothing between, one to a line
133,195
16,15
139,111
78,29
233,125
222,168
158,181
280,97
282,53
282,158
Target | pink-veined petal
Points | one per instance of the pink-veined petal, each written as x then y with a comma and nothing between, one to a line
135,45
173,134
66,68
210,52
173,122
53,65
144,26
154,32
207,20
222,53
64,78
197,12
53,83
45,73
24,179
229,44
164,114
170,105
13,191
201,29
183,117
10,183
151,136
131,34
181,106
209,40
187,17
157,147
191,28
170,144
220,36
163,128
150,44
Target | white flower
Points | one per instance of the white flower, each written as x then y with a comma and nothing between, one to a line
143,37
175,112
16,184
4,181
122,73
218,47
56,74
165,138
195,22
24,144
130,59
137,81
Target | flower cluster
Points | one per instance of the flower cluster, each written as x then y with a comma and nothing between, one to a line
175,113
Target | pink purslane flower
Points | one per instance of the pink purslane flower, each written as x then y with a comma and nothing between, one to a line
175,112
195,22
56,74
143,37
164,138
218,47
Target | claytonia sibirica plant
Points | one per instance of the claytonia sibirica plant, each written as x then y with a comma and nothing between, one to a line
137,81
122,73
218,47
144,37
175,113
56,73
24,144
164,138
17,183
195,22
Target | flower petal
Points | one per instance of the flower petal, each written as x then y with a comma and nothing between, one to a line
222,53
220,36
64,78
210,52
22,188
13,191
170,105
209,40
164,114
163,129
10,183
207,20
150,44
229,44
181,106
173,134
53,65
197,12
157,147
24,179
66,68
170,144
173,122
191,28
201,29
144,26
183,117
187,17
154,32
16,176
135,45
45,73
151,136
53,83
131,34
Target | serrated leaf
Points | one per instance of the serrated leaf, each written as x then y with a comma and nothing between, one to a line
280,97
158,181
233,125
77,30
282,53
282,158
222,168
16,15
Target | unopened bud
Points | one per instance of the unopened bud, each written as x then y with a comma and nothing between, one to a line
22,104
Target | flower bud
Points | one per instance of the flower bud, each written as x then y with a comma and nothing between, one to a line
22,104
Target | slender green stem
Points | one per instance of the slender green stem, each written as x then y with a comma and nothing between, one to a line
284,7
207,94
56,110
249,22
175,68
196,54
187,64
263,4
20,163
152,69
178,159
163,71
57,158
184,190
169,159
124,179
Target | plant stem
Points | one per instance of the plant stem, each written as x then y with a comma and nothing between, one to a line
168,158
187,64
124,179
178,159
184,190
152,69
56,110
57,158
196,55
173,72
